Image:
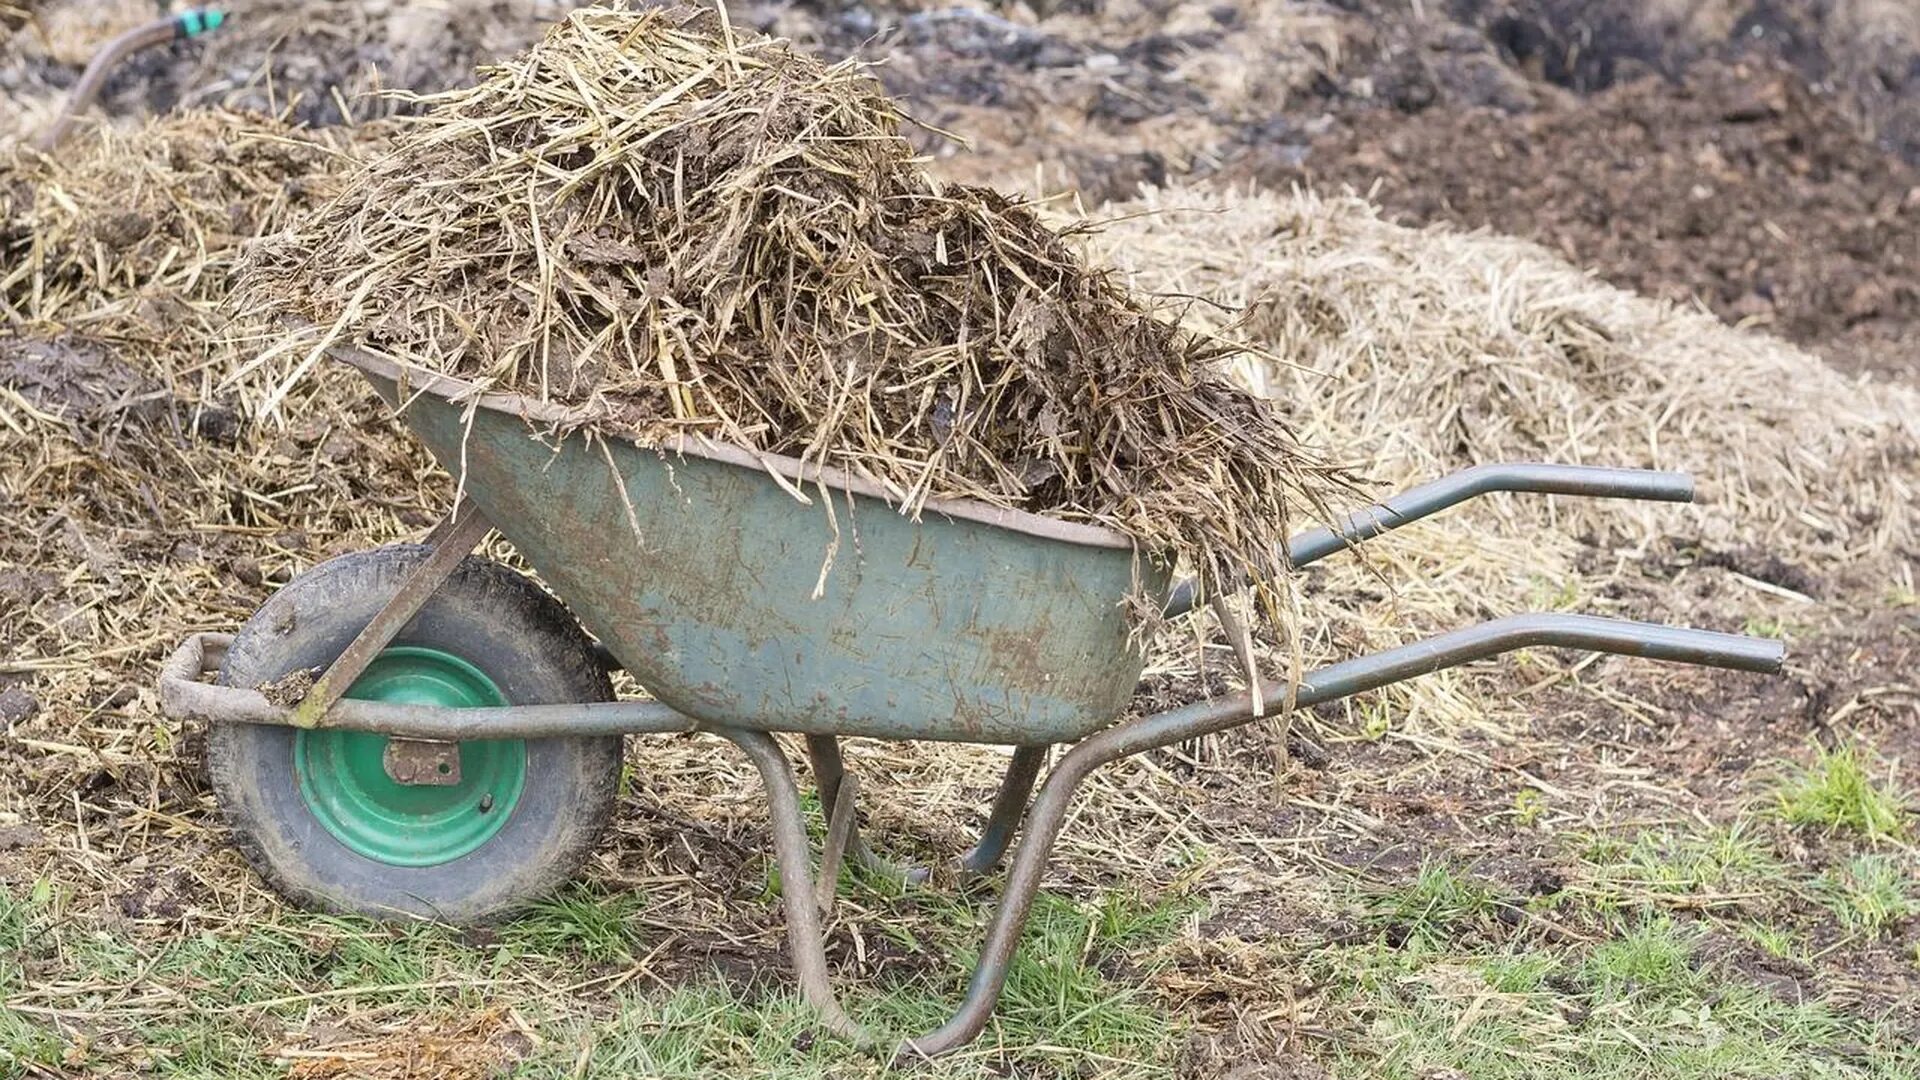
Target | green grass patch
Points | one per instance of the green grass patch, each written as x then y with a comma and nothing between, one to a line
24,1040
1638,1004
1064,1011
1442,903
232,994
1775,940
1698,869
1837,792
202,1046
1612,981
596,925
1652,957
1074,1000
1869,894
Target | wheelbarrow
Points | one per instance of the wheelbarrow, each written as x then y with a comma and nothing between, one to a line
416,732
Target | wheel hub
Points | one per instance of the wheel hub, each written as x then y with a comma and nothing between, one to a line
459,795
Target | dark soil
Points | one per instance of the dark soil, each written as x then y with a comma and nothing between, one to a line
1735,186
1753,156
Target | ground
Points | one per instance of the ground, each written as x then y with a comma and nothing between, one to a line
1604,869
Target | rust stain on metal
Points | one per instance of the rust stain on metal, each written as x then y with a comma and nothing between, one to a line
422,763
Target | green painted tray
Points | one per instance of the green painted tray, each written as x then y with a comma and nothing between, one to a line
735,602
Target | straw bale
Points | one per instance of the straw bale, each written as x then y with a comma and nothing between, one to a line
683,229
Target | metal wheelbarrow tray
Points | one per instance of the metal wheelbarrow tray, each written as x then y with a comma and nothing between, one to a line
750,594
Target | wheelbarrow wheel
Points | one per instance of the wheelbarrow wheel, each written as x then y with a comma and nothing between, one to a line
319,815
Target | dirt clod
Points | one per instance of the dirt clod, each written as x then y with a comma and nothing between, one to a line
17,704
290,689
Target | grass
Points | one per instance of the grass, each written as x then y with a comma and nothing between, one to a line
1869,894
1697,868
1779,942
1060,1009
238,999
1442,982
1638,1003
1441,904
1642,963
1837,792
1631,970
598,926
22,927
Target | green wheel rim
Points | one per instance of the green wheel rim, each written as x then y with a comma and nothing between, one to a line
343,776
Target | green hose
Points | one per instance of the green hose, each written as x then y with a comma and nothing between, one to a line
196,21
188,24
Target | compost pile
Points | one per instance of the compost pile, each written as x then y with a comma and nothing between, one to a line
682,229
135,234
1433,349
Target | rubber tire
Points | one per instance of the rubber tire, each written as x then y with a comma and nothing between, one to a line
486,614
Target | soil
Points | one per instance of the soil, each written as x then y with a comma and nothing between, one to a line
1733,185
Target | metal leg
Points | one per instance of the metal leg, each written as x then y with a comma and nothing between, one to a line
1340,680
1023,881
1008,807
804,937
1044,820
829,770
839,833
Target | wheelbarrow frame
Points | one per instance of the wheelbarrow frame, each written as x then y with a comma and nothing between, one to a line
186,695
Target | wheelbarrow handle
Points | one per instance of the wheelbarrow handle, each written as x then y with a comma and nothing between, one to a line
1436,495
1050,810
